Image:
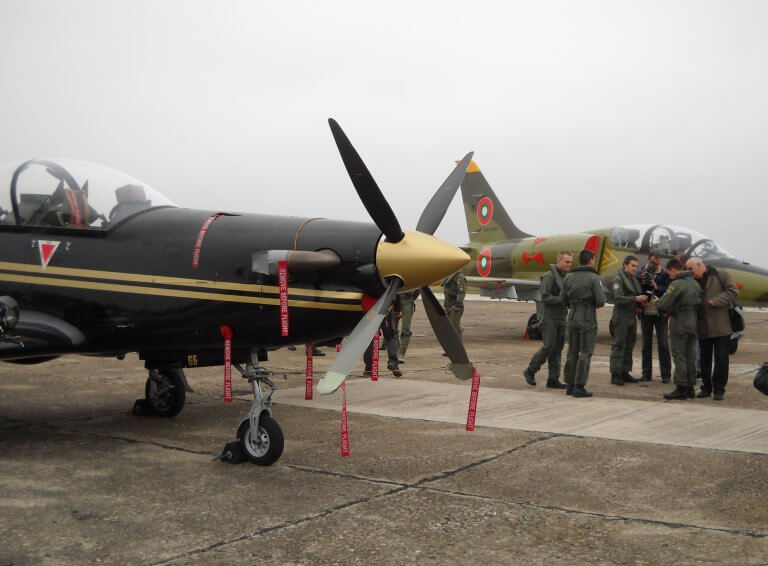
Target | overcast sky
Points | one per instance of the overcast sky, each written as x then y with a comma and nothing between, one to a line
581,114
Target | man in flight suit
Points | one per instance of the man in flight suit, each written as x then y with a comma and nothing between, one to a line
627,297
408,304
390,340
583,293
682,301
552,324
455,288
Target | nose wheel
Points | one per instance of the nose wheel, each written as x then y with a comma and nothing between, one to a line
259,438
262,445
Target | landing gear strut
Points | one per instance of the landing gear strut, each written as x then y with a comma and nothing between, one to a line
259,437
164,393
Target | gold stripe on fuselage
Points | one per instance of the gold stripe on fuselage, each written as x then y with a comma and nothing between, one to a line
165,280
160,291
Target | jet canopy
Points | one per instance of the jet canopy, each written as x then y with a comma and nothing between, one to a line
666,240
71,194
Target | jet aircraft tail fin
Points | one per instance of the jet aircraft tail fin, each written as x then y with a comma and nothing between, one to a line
487,221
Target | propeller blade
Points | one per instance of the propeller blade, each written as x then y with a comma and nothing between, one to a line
438,205
446,335
377,206
357,342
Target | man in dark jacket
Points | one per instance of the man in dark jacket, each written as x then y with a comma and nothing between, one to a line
681,301
583,293
652,277
718,294
552,325
627,297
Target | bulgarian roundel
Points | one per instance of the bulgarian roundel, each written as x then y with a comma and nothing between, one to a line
484,262
484,210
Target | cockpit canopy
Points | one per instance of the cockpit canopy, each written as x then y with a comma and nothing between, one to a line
666,240
67,193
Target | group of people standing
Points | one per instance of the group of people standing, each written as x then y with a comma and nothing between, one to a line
687,307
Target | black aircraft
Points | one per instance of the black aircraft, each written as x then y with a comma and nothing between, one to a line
97,263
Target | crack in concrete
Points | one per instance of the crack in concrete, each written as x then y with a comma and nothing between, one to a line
480,462
607,516
61,429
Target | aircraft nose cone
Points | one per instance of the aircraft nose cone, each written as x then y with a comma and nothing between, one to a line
418,259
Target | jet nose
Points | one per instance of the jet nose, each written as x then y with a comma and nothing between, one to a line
418,259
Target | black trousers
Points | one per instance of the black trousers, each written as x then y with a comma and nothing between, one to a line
714,381
390,339
649,322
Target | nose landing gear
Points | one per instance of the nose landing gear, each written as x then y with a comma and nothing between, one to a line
259,437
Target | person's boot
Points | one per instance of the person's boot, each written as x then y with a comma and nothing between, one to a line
556,384
679,393
719,395
317,353
628,378
703,393
580,391
616,379
665,379
646,378
569,389
529,379
395,370
691,393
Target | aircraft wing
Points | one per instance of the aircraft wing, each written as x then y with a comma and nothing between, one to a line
505,287
40,334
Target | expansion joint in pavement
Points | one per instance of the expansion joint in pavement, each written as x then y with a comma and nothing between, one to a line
605,516
64,430
479,462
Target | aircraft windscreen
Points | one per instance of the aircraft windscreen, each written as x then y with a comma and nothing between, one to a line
71,194
667,240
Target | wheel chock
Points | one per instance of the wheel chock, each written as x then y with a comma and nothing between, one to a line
232,454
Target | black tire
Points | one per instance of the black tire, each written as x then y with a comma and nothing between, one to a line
270,445
733,346
533,327
169,401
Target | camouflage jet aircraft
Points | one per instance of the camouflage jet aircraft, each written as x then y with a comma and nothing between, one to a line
507,262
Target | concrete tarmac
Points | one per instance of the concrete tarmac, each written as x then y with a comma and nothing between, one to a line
621,478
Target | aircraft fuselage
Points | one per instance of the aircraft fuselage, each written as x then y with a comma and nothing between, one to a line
134,287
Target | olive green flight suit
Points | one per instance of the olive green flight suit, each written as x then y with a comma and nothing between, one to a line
552,324
624,289
682,300
408,304
583,293
455,288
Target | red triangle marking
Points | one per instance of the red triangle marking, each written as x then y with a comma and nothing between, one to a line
47,249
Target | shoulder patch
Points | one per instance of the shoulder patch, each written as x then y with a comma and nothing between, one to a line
616,286
671,288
